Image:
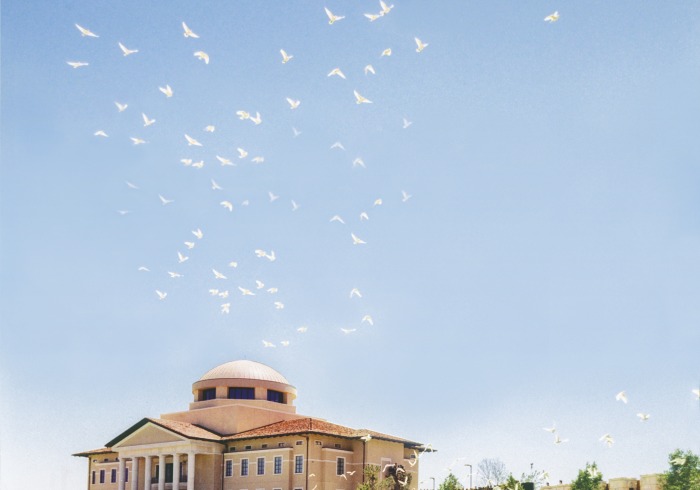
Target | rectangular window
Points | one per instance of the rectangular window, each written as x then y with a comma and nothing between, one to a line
126,475
241,393
275,396
168,472
208,394
102,476
244,467
93,477
298,464
261,466
249,447
229,468
264,446
337,446
299,443
232,449
340,466
281,444
278,465
318,443
113,476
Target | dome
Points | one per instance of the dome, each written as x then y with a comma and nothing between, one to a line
244,369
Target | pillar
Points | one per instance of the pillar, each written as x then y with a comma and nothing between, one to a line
147,473
120,473
161,472
190,471
176,471
135,474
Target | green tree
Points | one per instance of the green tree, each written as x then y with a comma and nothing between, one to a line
451,483
588,478
510,484
684,471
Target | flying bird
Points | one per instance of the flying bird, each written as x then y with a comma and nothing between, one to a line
696,393
368,319
181,258
147,122
210,128
279,305
189,245
272,290
621,397
421,45
643,417
202,56
164,200
551,429
285,57
233,264
607,439
188,32
218,275
679,461
369,69
225,161
191,141
373,17
356,240
86,32
166,90
272,196
144,269
358,162
385,9
267,344
225,308
359,99
337,145
257,119
126,50
242,153
364,216
227,204
259,284
100,133
386,52
215,186
377,202
161,294
355,292
552,17
137,141
302,329
332,17
336,72
198,233
293,104
121,107
405,196
257,160
406,123
557,440
246,292
295,131
295,206
284,343
174,275
337,218
242,115
347,331
77,64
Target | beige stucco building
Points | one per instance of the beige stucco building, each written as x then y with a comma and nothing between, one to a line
645,482
242,432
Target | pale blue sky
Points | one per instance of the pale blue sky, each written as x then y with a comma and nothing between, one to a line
548,258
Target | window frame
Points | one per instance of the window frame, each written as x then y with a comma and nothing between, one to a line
245,470
277,465
260,466
298,464
102,477
228,468
247,392
113,476
205,394
339,465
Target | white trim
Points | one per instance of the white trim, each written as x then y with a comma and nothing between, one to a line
337,460
150,424
232,466
335,450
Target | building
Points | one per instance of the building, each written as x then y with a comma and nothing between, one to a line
242,432
645,482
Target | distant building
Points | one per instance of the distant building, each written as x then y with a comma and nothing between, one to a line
645,482
242,432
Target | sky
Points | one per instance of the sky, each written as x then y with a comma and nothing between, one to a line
535,249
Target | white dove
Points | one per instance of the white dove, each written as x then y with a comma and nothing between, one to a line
210,128
215,186
174,275
367,319
161,294
386,52
607,439
218,275
246,292
337,145
191,141
126,50
385,9
358,162
225,308
621,397
189,245
336,72
188,32
181,258
377,202
285,57
373,17
552,17
405,196
272,196
356,240
101,133
347,331
267,344
295,131
355,293
147,122
166,90
225,161
202,56
121,107
421,45
293,104
164,200
370,69
337,218
364,216
243,115
359,99
257,160
279,305
198,233
137,141
643,417
332,17
406,123
227,204
284,343
257,119
77,64
302,329
242,153
86,32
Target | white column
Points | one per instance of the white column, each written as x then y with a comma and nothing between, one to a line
147,473
120,473
161,472
135,474
176,471
190,471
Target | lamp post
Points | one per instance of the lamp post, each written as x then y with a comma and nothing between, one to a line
433,478
470,475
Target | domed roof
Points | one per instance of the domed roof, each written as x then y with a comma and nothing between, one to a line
244,369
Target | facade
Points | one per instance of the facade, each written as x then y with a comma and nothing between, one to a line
242,432
645,482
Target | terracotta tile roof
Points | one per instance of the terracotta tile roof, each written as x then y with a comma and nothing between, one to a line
314,426
186,429
87,454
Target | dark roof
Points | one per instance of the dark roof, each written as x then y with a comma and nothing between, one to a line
87,454
185,429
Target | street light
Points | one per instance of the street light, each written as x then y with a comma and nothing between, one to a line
470,476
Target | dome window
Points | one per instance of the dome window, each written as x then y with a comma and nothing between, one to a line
275,396
241,393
